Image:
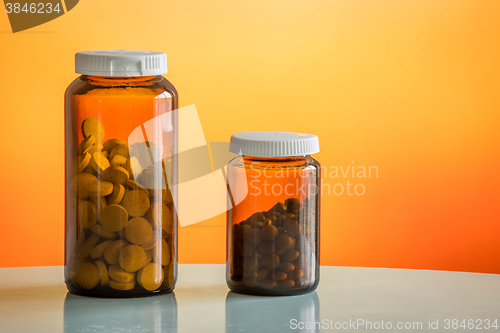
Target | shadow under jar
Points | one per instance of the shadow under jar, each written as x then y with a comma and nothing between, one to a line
120,148
273,214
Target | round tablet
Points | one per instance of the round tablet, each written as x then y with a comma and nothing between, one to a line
150,277
284,242
286,266
132,258
290,255
151,244
103,273
85,144
115,174
99,162
99,188
86,275
136,202
117,195
269,232
278,275
166,256
160,216
100,231
82,162
112,143
271,261
291,228
120,149
96,147
268,284
93,126
118,274
111,252
80,182
98,250
118,160
267,247
121,285
87,246
288,283
99,202
138,231
262,274
114,218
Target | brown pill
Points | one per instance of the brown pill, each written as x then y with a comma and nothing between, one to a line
269,233
165,253
99,188
257,217
298,273
267,247
250,264
120,149
268,284
279,208
93,126
257,225
99,162
81,163
119,161
114,218
249,249
121,285
112,143
279,252
136,202
87,214
253,236
87,246
138,231
284,242
115,175
291,228
278,275
111,252
98,251
132,258
263,274
160,216
271,261
103,273
120,275
150,277
99,202
80,182
116,196
290,255
85,144
280,221
101,232
287,283
151,244
86,275
292,202
286,266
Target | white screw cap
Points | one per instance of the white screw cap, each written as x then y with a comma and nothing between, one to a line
273,144
121,63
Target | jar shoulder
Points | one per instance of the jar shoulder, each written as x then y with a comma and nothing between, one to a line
157,87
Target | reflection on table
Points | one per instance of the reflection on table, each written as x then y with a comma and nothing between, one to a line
148,314
270,314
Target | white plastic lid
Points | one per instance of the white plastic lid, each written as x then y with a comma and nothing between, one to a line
273,144
121,63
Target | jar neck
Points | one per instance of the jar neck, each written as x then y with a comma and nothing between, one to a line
121,80
272,160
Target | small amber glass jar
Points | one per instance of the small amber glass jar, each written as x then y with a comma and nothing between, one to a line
120,153
273,214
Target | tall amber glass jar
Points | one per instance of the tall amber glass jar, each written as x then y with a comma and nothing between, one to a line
120,152
273,215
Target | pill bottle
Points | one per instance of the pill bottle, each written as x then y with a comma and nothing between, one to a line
120,157
273,214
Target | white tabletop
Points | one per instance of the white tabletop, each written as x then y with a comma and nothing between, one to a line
36,300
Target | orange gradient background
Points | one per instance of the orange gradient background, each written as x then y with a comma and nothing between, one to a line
412,87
